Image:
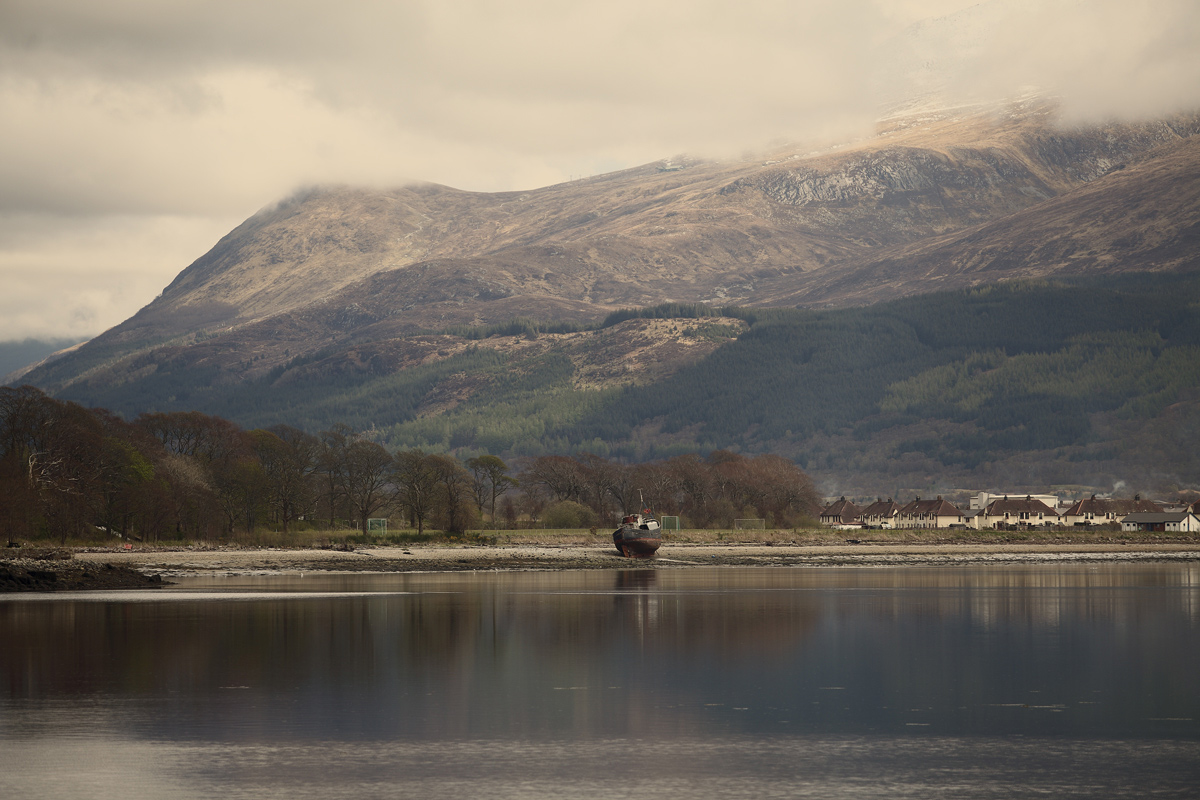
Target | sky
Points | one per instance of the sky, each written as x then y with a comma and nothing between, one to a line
135,133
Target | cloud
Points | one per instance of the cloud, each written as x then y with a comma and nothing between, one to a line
77,276
1102,58
125,117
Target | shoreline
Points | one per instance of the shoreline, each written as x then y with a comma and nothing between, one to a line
101,569
458,558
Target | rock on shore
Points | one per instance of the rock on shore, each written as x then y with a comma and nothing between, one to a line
42,574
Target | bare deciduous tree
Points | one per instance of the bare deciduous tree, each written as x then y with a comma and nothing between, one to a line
491,480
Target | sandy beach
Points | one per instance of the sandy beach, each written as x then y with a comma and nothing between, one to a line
434,558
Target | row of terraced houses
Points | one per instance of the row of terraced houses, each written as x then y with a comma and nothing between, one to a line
1006,511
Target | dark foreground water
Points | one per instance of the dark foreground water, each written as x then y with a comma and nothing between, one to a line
990,682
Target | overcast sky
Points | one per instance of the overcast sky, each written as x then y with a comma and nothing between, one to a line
135,133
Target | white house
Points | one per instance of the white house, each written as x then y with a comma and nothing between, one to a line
881,514
1166,521
841,513
937,513
1024,511
1103,511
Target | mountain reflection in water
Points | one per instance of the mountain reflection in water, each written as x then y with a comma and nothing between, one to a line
763,679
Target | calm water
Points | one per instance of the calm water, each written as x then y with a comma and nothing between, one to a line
1075,681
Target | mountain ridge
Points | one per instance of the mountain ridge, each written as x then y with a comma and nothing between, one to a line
698,232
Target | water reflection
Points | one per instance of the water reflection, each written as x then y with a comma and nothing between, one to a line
1089,653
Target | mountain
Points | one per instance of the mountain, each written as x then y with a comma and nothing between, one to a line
448,296
17,358
942,200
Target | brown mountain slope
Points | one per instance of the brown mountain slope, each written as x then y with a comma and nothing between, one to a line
944,200
1144,216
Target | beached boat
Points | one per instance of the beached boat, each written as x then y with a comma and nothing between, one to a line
638,537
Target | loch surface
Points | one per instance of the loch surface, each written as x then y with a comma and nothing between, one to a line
1076,680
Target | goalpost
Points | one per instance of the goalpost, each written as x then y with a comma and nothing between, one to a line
669,523
749,524
377,526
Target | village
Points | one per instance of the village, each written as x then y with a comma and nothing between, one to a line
1014,510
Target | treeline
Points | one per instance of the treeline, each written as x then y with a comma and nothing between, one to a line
681,311
68,472
704,492
520,326
525,326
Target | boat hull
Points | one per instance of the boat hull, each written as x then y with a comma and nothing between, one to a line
636,543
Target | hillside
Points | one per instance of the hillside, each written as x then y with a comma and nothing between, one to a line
1086,382
941,201
1147,214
